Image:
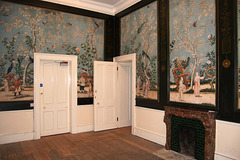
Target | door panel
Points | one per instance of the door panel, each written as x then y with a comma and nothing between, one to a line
54,99
105,95
62,119
48,82
100,115
48,121
62,80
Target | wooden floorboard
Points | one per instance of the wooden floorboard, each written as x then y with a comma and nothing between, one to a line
116,144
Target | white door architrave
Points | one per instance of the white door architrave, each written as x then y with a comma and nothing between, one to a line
130,58
72,62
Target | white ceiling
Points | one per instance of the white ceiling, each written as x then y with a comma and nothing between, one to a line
110,7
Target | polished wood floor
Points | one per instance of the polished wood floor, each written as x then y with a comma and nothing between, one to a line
116,144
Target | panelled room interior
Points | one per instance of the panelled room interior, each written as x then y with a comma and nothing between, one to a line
120,79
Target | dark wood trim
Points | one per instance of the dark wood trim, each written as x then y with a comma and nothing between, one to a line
109,46
15,105
117,37
192,106
163,46
84,101
158,51
228,88
236,55
148,103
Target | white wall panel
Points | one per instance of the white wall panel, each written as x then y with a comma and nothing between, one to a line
84,115
228,139
12,122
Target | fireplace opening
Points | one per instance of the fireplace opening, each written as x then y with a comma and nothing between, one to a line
187,141
188,136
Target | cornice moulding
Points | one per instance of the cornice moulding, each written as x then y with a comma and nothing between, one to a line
97,6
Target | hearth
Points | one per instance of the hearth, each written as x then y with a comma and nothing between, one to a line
190,132
187,141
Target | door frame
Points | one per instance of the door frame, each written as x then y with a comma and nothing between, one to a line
130,58
72,61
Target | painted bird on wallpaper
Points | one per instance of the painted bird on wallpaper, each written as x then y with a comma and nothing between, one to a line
19,61
83,69
195,24
186,65
147,70
144,54
31,59
140,28
172,44
45,23
94,21
10,68
70,24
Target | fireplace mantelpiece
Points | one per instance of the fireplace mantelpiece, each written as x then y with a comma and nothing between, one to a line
208,120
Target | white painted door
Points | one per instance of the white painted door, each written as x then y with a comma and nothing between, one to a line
105,74
54,98
124,94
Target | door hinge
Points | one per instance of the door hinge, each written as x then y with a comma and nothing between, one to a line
117,118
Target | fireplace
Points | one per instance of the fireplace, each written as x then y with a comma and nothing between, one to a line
190,132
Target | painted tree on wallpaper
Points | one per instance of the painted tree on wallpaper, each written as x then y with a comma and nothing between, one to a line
26,30
192,51
139,35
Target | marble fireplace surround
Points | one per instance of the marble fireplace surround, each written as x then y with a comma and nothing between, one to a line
208,120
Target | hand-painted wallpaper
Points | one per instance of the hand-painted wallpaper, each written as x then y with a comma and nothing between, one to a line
139,35
192,51
25,30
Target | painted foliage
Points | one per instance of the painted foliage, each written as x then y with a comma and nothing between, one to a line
192,51
25,30
139,35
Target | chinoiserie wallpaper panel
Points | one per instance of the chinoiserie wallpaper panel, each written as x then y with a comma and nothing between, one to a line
139,35
26,30
192,52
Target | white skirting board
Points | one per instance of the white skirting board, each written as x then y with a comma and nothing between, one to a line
84,128
222,157
18,137
154,137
